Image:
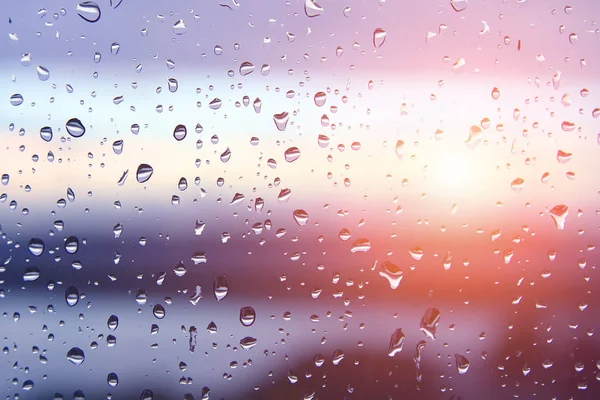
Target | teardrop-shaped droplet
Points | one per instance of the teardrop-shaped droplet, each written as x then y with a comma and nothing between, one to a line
462,364
72,296
430,322
220,288
559,215
392,273
257,105
75,127
396,342
180,132
379,36
226,155
112,379
301,217
495,93
76,356
247,316
114,48
281,120
400,149
144,173
43,73
89,11
113,322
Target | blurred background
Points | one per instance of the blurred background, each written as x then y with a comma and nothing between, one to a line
359,199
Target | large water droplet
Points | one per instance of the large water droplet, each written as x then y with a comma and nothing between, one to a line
75,127
392,273
430,322
46,133
180,132
567,126
247,316
475,137
43,73
89,11
172,84
179,27
292,154
72,296
72,245
159,311
144,173
361,245
337,357
246,68
113,322
117,146
379,36
320,99
220,288
301,217
563,157
518,184
31,274
462,364
312,8
248,342
16,99
459,5
559,215
215,104
36,246
281,120
396,342
112,379
76,356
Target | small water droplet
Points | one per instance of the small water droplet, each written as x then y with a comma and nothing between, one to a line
459,5
75,127
559,215
76,356
72,245
379,36
43,73
246,68
180,132
396,342
179,27
361,245
248,342
430,322
301,217
281,120
112,379
292,154
518,184
462,364
312,8
320,99
72,296
16,99
36,246
172,84
113,322
158,311
563,157
247,316
226,155
495,93
220,288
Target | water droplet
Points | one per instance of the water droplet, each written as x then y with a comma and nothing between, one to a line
36,246
518,184
179,27
379,36
113,322
144,173
16,99
31,274
320,99
292,154
43,73
462,364
89,11
400,149
180,132
392,273
545,177
284,195
114,48
72,245
396,342
361,245
158,311
112,379
416,253
495,93
281,120
344,235
312,8
246,68
563,157
247,316
248,342
76,356
147,394
567,126
220,288
75,127
226,155
430,322
475,137
72,296
301,217
215,104
117,146
559,215
337,357
596,112
459,5
28,385
172,84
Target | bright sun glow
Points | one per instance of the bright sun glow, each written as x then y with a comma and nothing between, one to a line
452,169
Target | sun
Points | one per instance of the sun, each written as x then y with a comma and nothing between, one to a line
452,170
